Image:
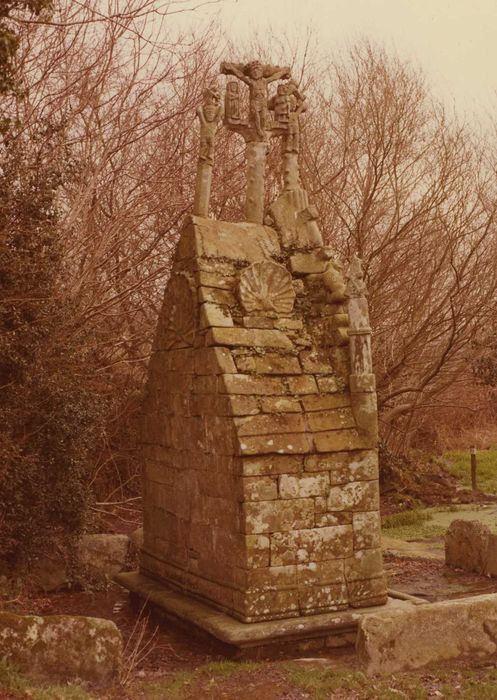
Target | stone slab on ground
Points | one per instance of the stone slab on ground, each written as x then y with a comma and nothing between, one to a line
410,638
62,647
185,609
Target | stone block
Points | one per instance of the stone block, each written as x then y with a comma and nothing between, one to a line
320,573
367,593
257,606
293,486
102,556
367,530
302,385
273,578
248,337
280,404
364,564
214,315
243,405
267,424
215,279
216,296
247,384
467,547
308,263
259,488
324,519
241,241
288,324
338,440
335,419
270,464
62,647
354,496
258,322
287,443
325,402
320,599
327,384
314,362
311,545
410,638
278,516
257,550
269,363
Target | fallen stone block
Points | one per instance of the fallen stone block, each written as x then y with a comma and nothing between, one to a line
101,557
471,546
399,640
62,647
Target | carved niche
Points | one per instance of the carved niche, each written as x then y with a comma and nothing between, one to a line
266,286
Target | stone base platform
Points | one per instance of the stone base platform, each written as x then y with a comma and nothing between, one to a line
305,633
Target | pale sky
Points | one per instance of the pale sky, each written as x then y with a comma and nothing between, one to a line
454,41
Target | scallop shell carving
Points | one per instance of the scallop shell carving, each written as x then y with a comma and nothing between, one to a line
266,286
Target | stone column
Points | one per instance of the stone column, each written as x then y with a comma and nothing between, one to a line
362,379
291,176
202,188
256,163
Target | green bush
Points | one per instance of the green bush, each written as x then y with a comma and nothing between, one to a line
49,418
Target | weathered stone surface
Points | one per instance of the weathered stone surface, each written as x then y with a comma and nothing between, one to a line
266,424
335,419
470,545
103,556
250,337
270,464
247,384
338,440
307,263
278,516
259,488
393,641
287,443
364,564
223,239
367,530
212,315
323,402
310,545
269,363
302,385
291,486
280,404
61,647
356,495
257,549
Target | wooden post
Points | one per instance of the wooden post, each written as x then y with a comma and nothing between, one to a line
472,452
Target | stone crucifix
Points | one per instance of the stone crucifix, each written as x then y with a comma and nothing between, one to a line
256,129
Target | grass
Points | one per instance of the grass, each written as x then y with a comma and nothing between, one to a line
173,687
412,525
13,682
457,463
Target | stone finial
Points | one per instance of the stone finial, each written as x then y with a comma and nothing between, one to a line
356,286
209,114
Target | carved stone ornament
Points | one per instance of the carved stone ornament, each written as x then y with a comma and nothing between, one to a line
266,286
180,326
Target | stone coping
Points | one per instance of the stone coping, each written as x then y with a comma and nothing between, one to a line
244,635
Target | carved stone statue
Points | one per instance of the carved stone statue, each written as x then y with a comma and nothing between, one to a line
232,103
209,114
257,76
287,105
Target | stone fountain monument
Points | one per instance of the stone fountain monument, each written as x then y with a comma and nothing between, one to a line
261,510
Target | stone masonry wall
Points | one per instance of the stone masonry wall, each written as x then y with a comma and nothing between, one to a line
261,494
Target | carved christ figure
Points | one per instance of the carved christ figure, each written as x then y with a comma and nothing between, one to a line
257,77
209,114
